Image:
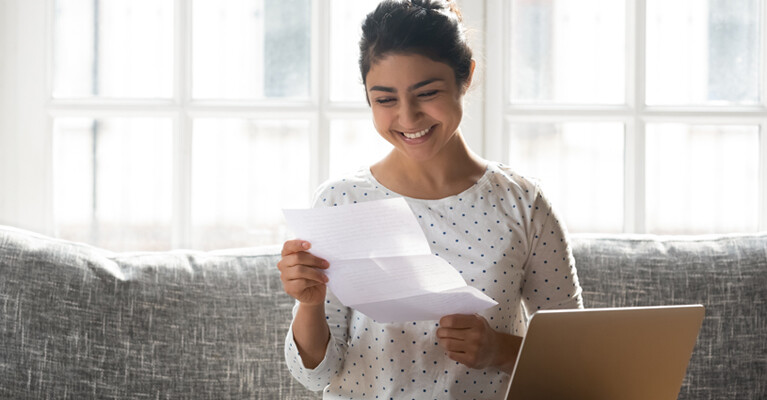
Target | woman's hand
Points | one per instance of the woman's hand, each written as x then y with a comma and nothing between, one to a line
301,273
471,341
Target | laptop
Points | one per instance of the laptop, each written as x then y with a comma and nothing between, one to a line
606,353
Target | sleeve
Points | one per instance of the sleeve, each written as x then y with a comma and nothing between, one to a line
551,279
319,377
337,315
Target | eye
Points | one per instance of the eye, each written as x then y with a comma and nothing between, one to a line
385,100
428,94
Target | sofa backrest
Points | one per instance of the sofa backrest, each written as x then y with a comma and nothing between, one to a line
79,322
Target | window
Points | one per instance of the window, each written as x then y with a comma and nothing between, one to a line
638,115
156,124
193,123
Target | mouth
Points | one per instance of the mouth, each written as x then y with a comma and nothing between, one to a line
416,134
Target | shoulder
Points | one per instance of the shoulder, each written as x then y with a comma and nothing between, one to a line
503,177
344,189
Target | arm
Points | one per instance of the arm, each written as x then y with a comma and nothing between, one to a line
312,351
315,370
311,333
551,280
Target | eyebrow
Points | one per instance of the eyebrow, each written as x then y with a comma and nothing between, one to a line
411,88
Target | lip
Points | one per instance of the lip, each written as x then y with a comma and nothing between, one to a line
417,140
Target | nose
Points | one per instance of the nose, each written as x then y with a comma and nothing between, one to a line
409,114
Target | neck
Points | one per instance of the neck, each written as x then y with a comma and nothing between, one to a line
453,170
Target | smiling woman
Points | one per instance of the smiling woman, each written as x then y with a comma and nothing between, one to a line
496,228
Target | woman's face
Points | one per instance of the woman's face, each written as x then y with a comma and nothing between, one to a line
416,103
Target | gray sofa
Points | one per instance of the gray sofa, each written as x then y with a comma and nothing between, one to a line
80,322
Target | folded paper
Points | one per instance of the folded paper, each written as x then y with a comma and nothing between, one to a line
381,263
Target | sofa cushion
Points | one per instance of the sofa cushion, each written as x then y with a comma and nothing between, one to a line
727,274
80,322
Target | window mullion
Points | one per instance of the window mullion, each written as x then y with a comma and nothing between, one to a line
320,140
182,141
634,217
763,126
496,54
28,203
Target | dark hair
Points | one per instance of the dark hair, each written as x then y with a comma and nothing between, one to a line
431,28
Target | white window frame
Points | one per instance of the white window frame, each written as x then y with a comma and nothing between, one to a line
27,110
499,110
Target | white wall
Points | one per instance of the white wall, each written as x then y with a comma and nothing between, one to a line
25,148
7,120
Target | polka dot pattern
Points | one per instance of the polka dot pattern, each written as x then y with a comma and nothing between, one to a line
503,238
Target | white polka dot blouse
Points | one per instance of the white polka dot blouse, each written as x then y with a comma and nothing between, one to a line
502,236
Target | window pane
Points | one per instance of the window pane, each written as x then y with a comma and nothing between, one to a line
354,144
580,166
702,178
113,182
345,31
703,52
115,48
244,172
568,51
251,49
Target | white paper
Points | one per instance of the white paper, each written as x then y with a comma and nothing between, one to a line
381,263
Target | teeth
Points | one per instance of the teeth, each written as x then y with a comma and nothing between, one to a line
416,135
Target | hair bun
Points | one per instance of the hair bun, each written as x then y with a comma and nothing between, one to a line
453,7
444,6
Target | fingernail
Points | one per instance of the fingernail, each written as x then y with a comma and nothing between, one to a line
325,263
305,245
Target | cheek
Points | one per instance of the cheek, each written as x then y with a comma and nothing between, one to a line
449,111
381,120
381,128
457,105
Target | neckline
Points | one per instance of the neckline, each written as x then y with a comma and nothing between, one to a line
489,168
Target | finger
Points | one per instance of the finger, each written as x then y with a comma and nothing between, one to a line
309,259
294,246
298,285
452,333
458,321
304,272
453,345
301,258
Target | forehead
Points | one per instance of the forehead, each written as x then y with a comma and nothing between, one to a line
403,70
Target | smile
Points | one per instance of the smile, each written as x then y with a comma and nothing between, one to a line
416,135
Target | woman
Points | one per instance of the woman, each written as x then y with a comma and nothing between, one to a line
495,227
